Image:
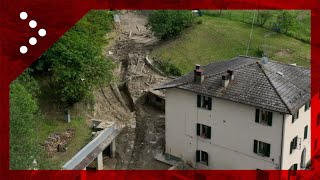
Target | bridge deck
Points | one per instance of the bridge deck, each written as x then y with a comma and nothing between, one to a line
87,154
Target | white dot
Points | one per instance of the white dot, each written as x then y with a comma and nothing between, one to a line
23,49
42,32
33,23
33,41
23,15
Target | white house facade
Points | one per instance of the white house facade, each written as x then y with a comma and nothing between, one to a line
241,114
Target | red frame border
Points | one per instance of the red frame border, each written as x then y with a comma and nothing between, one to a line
58,16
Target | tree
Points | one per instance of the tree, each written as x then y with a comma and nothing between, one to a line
23,121
263,17
169,23
285,20
75,63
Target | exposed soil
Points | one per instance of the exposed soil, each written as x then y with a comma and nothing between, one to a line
123,101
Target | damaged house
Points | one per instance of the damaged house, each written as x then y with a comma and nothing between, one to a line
245,113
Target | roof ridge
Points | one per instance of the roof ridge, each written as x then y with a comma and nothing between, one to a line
238,67
263,70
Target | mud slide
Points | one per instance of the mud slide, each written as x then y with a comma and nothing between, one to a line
143,136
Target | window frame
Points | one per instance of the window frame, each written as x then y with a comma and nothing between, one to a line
295,116
264,117
264,151
305,133
204,102
200,154
293,144
307,105
205,134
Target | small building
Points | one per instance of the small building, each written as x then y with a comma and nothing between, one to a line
241,114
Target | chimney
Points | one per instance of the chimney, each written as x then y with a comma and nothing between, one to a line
231,75
198,74
225,80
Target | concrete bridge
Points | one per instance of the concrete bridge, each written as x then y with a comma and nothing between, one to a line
94,150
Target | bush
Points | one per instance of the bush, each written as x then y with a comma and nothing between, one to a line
259,51
169,68
169,23
23,131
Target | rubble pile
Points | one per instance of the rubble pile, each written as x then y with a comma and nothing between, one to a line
57,142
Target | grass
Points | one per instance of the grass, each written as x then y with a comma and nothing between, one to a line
81,138
219,39
299,30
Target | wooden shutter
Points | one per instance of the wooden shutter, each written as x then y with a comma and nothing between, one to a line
199,101
306,132
210,103
270,118
295,142
207,158
255,146
197,156
297,114
257,115
208,132
267,153
198,129
293,117
291,147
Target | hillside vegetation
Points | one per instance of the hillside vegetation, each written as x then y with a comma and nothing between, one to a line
65,74
293,23
215,39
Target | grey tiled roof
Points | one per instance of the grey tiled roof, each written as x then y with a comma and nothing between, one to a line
254,84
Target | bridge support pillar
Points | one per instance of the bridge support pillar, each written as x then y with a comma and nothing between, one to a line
100,162
113,148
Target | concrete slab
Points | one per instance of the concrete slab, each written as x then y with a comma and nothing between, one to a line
166,158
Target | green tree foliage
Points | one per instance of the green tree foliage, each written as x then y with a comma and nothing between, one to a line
169,23
23,120
263,17
75,63
284,21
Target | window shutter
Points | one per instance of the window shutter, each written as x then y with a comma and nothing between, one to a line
295,142
306,132
197,156
255,146
291,146
297,114
199,101
257,115
267,153
210,103
209,132
198,129
270,118
293,117
207,159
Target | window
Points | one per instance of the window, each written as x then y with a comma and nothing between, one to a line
204,131
263,117
307,106
204,102
305,132
293,170
294,144
202,157
261,148
295,116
